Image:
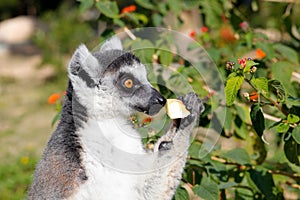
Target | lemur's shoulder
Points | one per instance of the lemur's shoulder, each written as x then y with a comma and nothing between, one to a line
60,170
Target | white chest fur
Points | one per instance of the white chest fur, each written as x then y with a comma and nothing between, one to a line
106,184
109,160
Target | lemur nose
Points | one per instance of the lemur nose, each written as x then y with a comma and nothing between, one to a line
161,100
157,98
156,102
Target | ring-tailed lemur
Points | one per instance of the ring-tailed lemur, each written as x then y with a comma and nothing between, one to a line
95,153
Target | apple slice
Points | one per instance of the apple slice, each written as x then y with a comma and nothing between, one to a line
176,109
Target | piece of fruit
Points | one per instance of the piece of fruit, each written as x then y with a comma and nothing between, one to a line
176,109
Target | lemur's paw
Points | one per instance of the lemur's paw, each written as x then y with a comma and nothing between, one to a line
165,145
192,104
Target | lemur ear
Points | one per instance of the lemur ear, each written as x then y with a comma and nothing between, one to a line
84,65
111,44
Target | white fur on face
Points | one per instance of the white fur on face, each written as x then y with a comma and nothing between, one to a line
103,100
138,71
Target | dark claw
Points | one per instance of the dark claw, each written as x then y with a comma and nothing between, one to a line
165,145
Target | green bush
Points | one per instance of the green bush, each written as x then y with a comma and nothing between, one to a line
16,178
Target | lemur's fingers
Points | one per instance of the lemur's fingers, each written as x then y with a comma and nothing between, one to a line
192,102
180,98
194,105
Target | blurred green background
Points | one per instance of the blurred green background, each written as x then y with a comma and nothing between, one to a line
38,37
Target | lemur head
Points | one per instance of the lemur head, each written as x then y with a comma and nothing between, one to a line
112,81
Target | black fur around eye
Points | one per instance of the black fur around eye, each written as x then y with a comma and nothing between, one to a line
127,82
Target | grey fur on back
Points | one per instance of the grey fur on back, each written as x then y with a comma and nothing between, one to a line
60,171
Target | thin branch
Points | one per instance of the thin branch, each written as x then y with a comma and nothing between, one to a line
129,33
244,187
221,160
270,117
283,1
294,185
277,172
296,76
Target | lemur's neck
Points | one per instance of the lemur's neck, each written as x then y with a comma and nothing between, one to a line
73,113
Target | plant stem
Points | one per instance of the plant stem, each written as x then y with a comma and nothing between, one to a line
274,103
294,176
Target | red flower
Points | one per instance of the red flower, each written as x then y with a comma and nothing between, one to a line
146,121
227,33
260,54
242,62
128,9
253,96
192,34
204,29
53,98
244,26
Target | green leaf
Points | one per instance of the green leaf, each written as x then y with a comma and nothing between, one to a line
264,182
261,84
282,71
243,112
188,4
165,56
258,120
224,113
146,4
162,8
181,194
118,22
85,4
212,11
208,189
238,155
292,119
195,149
132,17
289,53
56,118
277,88
226,185
249,39
232,86
108,8
157,19
214,53
296,134
143,49
141,18
260,151
291,151
282,128
243,194
241,131
249,64
274,124
175,6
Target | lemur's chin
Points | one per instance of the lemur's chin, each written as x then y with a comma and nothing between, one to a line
151,109
154,109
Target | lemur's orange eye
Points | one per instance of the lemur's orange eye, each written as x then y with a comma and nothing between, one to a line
128,83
